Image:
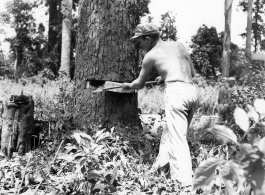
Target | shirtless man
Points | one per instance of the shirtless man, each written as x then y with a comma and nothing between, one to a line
173,63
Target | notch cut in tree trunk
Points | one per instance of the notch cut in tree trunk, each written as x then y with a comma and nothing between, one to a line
18,125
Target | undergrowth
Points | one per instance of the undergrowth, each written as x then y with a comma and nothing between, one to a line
113,160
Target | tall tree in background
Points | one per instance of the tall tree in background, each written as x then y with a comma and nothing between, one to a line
56,14
207,51
19,16
249,28
105,53
55,21
54,33
258,26
255,25
168,26
227,39
66,36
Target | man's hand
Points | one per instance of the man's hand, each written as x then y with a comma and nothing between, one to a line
126,86
159,80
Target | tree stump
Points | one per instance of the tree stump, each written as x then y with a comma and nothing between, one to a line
17,125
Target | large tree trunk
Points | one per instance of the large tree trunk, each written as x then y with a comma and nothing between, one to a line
249,30
18,125
104,53
227,39
66,37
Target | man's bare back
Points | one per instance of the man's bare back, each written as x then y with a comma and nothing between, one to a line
172,61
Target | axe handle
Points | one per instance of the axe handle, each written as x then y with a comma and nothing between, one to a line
149,82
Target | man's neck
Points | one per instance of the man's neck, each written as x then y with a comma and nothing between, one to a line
156,42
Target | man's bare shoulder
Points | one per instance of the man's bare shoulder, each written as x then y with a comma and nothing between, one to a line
149,57
181,47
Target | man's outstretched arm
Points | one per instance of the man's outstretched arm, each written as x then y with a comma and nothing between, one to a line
143,76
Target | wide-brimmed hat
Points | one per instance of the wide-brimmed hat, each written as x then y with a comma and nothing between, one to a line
145,29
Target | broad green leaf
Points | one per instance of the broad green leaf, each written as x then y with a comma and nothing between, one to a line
93,175
100,186
257,178
247,148
241,119
69,148
205,173
28,192
78,156
231,171
83,169
99,133
82,137
112,130
108,176
261,145
66,157
114,175
252,114
259,105
223,133
208,192
82,161
218,181
26,179
262,126
229,187
100,149
253,138
2,174
124,192
103,137
112,189
12,180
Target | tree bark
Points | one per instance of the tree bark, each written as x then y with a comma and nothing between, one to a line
105,53
255,30
66,37
249,30
7,129
18,125
227,39
15,64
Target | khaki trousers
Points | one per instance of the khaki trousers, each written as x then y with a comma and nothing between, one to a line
180,105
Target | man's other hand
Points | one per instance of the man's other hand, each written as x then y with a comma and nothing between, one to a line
126,86
159,80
